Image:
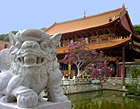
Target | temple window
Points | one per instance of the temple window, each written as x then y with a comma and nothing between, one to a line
5,45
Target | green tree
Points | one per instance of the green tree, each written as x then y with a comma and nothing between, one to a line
14,32
2,37
43,28
137,29
133,86
6,38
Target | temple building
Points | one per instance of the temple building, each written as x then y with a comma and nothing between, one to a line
112,32
4,44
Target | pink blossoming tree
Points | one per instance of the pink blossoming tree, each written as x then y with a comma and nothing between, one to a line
92,61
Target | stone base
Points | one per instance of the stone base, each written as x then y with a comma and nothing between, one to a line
41,105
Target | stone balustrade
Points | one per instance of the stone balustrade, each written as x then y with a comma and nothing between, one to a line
78,85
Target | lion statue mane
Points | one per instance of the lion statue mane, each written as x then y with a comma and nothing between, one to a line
33,67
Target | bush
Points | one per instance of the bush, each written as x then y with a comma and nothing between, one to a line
132,87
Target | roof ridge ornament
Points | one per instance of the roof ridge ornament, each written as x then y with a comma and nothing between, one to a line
84,14
118,15
123,5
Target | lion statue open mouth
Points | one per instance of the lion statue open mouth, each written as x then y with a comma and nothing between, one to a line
30,54
30,59
34,67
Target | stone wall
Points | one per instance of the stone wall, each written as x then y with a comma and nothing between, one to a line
85,85
77,88
113,84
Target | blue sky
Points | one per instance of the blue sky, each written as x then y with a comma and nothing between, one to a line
22,14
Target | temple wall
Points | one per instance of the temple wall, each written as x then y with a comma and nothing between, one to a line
4,44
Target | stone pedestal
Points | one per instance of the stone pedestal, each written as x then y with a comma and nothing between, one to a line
41,105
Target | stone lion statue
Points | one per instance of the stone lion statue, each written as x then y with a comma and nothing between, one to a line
33,67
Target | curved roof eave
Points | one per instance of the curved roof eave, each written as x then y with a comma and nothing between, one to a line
63,50
135,49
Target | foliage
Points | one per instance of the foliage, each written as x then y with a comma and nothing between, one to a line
2,36
135,71
137,29
43,28
133,89
89,59
14,32
134,81
5,37
99,71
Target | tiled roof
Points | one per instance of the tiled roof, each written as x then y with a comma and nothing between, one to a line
84,23
99,46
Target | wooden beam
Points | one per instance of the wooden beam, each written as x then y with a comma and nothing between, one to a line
75,36
97,32
80,34
89,33
92,33
86,34
105,31
70,36
65,37
109,30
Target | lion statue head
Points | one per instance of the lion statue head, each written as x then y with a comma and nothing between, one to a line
32,48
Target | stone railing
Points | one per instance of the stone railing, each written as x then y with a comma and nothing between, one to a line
79,81
78,85
92,80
